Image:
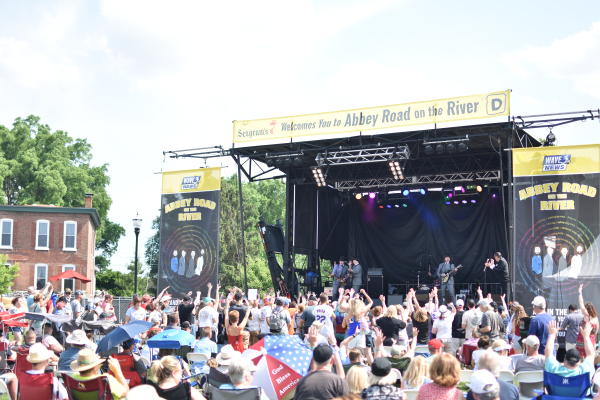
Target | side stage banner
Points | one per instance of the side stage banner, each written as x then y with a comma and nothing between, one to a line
189,230
453,109
557,225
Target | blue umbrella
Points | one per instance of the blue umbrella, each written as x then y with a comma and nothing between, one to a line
121,334
171,339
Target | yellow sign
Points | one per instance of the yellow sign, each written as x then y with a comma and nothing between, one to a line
374,118
556,160
190,181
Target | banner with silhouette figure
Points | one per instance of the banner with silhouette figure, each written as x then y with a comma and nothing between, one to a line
189,231
557,225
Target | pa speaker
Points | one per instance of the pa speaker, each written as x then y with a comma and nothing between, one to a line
375,286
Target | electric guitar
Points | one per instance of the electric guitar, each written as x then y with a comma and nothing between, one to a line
447,275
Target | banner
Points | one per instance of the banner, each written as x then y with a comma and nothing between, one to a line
557,225
479,106
189,230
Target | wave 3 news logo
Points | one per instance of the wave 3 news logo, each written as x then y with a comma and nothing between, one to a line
556,163
190,182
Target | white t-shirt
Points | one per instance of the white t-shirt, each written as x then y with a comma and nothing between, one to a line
444,327
136,315
470,318
208,316
254,321
265,313
475,357
323,314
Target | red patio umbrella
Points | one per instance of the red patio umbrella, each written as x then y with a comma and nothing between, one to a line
70,274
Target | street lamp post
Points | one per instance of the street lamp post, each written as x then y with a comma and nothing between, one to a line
137,223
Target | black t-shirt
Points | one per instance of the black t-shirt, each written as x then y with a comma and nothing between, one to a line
423,327
321,385
182,391
240,309
457,331
501,270
390,326
308,317
185,312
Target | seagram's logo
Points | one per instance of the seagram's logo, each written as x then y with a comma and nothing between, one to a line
190,182
556,163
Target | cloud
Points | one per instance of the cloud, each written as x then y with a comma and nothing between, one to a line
575,58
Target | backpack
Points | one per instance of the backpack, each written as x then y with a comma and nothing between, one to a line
276,320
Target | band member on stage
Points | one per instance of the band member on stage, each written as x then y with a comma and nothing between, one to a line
499,268
340,270
356,271
443,270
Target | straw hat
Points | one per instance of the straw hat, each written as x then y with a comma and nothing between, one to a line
78,337
39,353
227,355
86,359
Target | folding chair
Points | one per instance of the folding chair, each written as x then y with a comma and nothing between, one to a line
4,357
561,386
422,350
21,364
197,361
93,389
127,363
411,394
216,378
36,387
4,393
507,376
233,394
530,383
465,375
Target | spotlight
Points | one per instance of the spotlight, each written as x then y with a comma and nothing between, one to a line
456,202
462,147
473,201
428,150
389,206
450,148
380,206
550,139
459,189
448,203
358,196
405,192
318,176
439,148
423,191
493,195
464,202
396,169
371,195
397,205
479,189
404,205
450,195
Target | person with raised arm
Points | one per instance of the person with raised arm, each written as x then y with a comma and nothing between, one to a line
589,312
234,327
573,364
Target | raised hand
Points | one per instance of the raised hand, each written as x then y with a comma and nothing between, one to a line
479,291
415,332
581,288
552,329
378,337
209,285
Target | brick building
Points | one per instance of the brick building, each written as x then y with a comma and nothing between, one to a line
48,240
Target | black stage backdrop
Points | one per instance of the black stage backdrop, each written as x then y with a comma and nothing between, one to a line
399,239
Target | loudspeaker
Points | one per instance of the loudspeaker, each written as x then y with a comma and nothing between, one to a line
375,286
422,296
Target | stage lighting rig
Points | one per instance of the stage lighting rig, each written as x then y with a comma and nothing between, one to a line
397,170
446,146
319,176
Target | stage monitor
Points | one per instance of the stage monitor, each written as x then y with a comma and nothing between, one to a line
274,238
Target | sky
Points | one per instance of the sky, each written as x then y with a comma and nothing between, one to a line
138,77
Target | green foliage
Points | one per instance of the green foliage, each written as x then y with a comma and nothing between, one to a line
121,284
8,273
151,253
41,166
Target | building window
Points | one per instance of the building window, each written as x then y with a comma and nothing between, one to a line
68,283
6,226
70,236
42,235
41,276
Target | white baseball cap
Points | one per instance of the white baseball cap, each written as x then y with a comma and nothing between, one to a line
460,302
483,382
539,301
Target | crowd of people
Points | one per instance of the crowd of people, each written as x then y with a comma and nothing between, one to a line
361,348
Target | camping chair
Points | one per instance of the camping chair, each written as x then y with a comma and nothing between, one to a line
465,375
507,375
216,378
93,389
4,393
411,394
530,383
4,357
21,364
197,361
127,363
561,386
231,394
36,387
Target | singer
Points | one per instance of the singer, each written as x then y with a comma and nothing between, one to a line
497,272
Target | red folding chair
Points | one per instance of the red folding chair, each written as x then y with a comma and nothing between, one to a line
21,364
36,387
93,389
127,363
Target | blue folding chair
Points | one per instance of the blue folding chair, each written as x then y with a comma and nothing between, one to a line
562,387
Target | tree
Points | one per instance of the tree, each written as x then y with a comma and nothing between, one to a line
121,284
151,254
8,273
38,165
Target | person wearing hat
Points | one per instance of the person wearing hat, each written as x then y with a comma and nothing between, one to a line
382,379
502,349
87,367
39,357
471,319
321,383
539,323
442,326
138,363
573,365
458,332
77,341
491,322
208,315
241,373
490,362
225,357
76,307
531,360
484,386
436,346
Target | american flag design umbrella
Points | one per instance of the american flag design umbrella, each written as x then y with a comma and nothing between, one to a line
280,366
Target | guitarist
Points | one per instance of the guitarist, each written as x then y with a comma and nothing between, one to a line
339,275
446,270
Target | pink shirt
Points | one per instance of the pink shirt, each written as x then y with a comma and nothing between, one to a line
433,391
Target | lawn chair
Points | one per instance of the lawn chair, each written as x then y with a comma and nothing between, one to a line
4,393
93,389
36,387
530,383
127,363
411,394
465,375
216,378
571,387
507,376
233,394
21,364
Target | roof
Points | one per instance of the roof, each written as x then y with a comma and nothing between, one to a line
49,209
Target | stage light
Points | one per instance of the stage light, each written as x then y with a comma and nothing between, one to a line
473,201
462,147
456,202
423,191
464,202
380,206
448,203
371,195
439,148
318,176
479,189
459,189
389,206
450,148
404,205
450,195
550,139
358,196
397,205
396,169
428,150
405,192
493,195
435,189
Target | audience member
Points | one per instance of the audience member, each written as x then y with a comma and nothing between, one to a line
416,374
77,341
321,383
490,361
358,379
241,373
444,372
87,367
531,360
39,357
539,323
382,380
165,375
484,386
572,365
